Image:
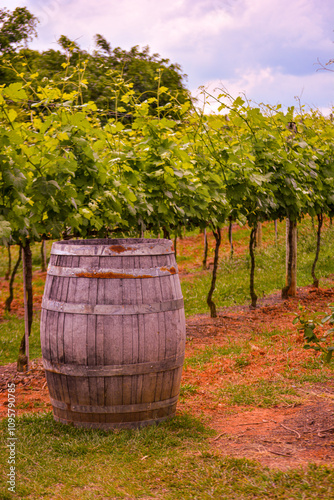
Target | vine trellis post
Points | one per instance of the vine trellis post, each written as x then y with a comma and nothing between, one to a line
290,290
26,314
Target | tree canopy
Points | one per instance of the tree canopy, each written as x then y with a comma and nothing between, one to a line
100,69
16,28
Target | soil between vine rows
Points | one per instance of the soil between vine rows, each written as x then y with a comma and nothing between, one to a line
283,436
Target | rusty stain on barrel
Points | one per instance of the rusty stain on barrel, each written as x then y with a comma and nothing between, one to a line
111,275
119,248
113,346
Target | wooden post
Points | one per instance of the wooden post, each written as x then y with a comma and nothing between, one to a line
291,258
43,257
9,268
320,223
26,314
258,237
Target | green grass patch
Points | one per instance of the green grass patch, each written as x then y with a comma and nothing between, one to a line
170,461
207,355
314,376
188,389
263,394
241,362
12,331
232,283
271,341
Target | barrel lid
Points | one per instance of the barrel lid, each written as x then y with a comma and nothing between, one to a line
113,246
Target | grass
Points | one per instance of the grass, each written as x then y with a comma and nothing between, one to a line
12,326
188,389
36,258
263,394
261,369
170,461
232,286
207,355
12,330
313,376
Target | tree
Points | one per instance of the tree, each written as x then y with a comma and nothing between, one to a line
16,29
102,44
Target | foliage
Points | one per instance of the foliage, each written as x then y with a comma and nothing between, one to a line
155,163
150,75
309,324
51,176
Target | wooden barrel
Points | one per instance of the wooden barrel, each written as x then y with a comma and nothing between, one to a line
113,332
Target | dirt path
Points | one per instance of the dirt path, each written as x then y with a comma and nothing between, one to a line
281,438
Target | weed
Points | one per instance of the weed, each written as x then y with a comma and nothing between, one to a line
188,389
241,362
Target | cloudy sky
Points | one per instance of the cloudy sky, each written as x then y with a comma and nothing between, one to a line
267,49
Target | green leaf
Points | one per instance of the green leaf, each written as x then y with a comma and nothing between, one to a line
14,137
129,195
5,229
185,107
86,213
15,92
238,102
12,114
